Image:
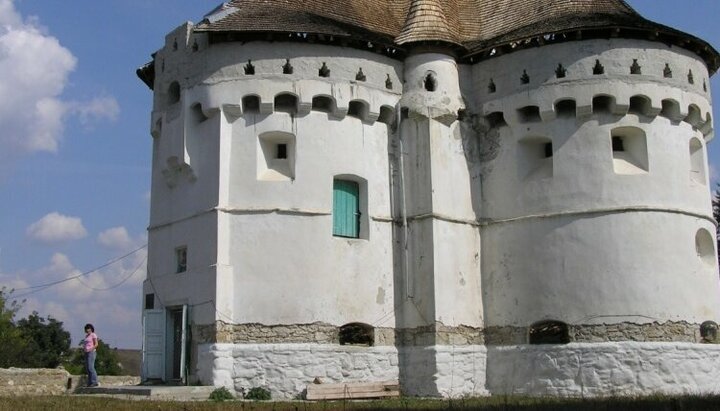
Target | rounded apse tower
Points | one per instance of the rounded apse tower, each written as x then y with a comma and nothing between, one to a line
597,222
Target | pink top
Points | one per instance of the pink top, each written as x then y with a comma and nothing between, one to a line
89,342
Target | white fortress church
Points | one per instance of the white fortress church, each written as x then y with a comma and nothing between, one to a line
473,197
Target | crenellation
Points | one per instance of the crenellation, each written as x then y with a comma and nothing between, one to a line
211,99
619,105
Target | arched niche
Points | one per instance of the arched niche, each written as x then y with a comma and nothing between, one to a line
549,332
697,161
360,334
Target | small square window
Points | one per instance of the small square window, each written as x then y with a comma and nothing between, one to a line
629,150
181,259
149,301
548,150
281,151
618,144
276,156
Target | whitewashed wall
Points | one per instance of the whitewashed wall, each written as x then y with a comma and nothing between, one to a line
570,238
574,241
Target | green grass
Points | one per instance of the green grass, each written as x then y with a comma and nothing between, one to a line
499,403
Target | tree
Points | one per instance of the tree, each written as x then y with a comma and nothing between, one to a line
107,362
48,343
37,342
11,340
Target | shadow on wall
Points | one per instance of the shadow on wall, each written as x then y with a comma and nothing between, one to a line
414,335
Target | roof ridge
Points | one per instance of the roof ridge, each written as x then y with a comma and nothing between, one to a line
427,21
473,27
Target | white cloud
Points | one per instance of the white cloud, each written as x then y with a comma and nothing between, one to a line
116,238
55,227
34,70
132,267
109,298
8,16
96,109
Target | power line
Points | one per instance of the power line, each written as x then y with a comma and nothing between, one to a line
118,284
40,287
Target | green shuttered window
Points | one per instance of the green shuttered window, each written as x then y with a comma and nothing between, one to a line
346,209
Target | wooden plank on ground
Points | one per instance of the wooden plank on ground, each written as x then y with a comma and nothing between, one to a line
353,390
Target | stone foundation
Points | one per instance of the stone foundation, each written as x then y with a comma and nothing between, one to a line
320,333
650,332
286,369
575,369
604,369
440,334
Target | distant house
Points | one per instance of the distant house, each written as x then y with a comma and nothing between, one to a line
471,197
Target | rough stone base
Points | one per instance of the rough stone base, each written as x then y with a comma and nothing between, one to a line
602,369
51,381
286,369
576,369
444,371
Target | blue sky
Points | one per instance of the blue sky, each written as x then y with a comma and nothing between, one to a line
75,147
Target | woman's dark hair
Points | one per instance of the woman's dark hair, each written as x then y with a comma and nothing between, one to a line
90,326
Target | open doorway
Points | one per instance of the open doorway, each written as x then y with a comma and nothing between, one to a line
165,345
176,344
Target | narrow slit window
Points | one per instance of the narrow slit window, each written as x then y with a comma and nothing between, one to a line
430,82
618,144
150,301
181,259
281,152
548,150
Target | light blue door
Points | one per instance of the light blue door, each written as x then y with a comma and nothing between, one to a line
153,350
346,209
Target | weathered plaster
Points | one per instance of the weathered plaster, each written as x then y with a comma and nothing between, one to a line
482,213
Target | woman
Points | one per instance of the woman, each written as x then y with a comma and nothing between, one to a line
90,344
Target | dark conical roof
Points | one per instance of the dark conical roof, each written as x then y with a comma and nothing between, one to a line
473,27
426,21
